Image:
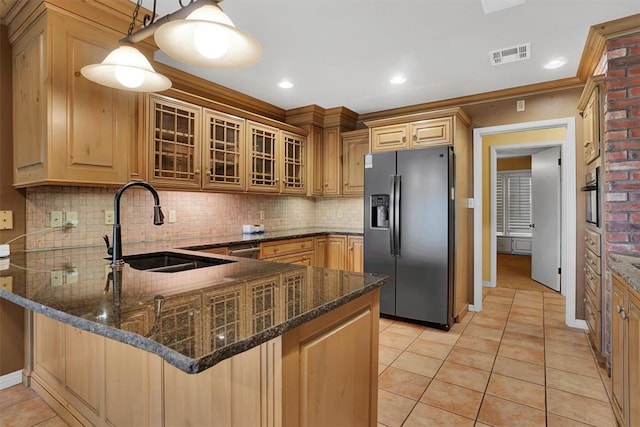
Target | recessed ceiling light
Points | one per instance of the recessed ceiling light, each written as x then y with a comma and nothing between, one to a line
556,63
397,80
285,84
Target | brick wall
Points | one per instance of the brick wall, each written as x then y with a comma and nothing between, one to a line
622,145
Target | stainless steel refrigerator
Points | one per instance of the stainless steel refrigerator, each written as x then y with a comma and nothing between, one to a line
409,232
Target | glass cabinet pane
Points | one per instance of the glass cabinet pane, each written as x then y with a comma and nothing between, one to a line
175,142
263,158
294,163
224,141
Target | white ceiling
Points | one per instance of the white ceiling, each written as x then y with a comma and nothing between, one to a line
344,52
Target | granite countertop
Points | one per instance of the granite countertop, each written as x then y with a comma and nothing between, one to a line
207,314
625,266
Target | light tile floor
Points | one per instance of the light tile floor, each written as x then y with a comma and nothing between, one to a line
514,364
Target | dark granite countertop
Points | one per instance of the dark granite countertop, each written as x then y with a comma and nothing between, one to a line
207,315
625,266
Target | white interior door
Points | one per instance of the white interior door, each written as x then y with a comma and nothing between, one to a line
545,213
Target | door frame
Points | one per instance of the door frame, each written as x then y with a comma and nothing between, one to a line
568,217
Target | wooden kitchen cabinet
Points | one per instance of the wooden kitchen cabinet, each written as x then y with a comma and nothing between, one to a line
589,107
332,162
336,252
294,163
428,133
319,251
331,362
355,145
224,151
67,129
355,255
389,138
175,150
292,251
625,352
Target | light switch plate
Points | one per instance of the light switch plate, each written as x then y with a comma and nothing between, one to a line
108,217
172,216
56,277
6,220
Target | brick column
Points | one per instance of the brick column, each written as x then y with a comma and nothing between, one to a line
622,145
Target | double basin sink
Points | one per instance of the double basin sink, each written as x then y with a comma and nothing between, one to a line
171,262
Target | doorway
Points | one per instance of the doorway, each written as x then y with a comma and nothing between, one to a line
568,203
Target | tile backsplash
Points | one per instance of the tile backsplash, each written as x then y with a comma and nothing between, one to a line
197,214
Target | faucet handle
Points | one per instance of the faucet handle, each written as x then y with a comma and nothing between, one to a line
109,247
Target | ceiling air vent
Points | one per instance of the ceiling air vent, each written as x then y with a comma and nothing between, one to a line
510,54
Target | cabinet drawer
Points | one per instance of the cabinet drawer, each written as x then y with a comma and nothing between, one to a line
592,260
593,284
431,132
592,317
280,247
592,241
299,259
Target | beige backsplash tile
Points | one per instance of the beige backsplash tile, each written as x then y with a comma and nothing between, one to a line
198,214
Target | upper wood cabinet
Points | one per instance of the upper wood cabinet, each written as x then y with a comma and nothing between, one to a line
332,162
355,145
589,107
415,130
174,142
224,151
194,147
67,129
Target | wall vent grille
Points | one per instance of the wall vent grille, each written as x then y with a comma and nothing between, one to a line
510,54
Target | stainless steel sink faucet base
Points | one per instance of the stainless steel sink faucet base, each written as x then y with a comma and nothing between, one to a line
158,218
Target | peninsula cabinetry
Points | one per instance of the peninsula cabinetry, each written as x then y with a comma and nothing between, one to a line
67,129
625,353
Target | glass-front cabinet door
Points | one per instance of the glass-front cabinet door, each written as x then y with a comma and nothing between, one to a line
294,152
263,146
224,137
175,142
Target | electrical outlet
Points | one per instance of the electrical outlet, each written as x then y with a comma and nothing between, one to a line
56,219
6,220
520,105
71,219
108,217
172,216
6,283
261,214
72,275
56,277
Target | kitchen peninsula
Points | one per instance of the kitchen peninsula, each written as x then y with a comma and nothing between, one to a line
247,342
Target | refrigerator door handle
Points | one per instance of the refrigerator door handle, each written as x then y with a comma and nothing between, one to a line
396,211
392,215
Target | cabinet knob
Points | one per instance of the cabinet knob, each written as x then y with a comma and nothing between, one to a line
623,315
404,137
196,172
586,144
618,309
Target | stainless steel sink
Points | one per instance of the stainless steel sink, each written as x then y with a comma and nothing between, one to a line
171,262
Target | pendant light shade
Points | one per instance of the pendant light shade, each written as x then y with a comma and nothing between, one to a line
127,69
208,38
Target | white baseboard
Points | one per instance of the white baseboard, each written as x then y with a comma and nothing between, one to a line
578,323
487,284
9,380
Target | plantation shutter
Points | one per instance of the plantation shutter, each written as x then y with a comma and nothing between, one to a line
500,204
519,203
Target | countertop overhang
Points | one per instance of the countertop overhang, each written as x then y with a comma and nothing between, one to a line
209,314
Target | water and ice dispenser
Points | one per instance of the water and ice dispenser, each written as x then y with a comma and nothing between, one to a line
379,211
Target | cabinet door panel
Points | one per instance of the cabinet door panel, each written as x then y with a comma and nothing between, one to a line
84,370
389,138
294,163
49,348
224,142
431,132
263,170
332,162
633,361
356,254
354,150
336,252
617,351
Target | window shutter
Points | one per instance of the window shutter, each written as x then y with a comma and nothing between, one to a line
519,203
500,204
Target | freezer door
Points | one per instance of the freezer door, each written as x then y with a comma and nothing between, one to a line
378,258
423,264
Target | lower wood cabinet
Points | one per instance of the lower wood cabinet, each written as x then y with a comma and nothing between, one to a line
322,373
337,252
329,368
291,251
625,353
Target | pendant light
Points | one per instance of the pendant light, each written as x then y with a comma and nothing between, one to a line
208,38
198,34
